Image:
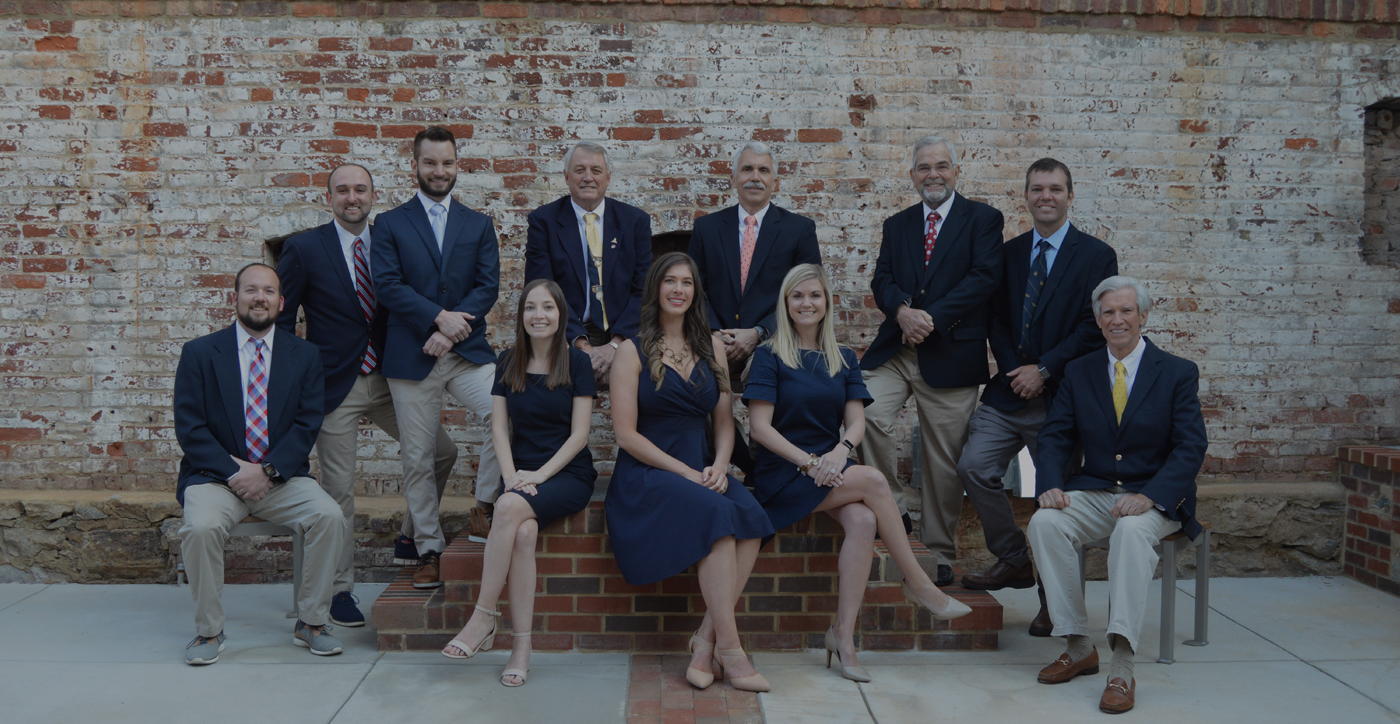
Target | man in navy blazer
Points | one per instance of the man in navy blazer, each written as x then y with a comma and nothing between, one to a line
939,263
1135,413
437,270
325,273
1041,319
604,291
247,408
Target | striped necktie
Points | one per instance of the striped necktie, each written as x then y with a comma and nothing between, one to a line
255,415
364,289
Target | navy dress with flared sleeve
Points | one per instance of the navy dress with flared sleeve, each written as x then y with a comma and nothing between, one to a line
809,407
540,420
660,523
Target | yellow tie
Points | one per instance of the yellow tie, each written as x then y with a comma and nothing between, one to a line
595,249
1120,389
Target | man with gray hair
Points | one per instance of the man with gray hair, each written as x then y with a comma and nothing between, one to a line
598,250
940,262
1135,413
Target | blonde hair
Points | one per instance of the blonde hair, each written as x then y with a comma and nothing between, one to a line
784,341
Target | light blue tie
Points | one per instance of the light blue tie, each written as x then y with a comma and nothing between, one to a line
438,215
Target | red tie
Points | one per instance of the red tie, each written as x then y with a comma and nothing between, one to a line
931,236
365,291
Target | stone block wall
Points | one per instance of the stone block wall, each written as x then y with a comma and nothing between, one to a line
1369,475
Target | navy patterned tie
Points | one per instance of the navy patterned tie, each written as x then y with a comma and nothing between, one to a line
1034,283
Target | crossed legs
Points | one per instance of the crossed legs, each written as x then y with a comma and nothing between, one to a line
723,575
509,558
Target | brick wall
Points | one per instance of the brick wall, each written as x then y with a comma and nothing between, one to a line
150,147
1372,553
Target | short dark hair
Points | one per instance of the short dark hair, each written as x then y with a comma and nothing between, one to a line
356,165
436,134
1046,165
238,278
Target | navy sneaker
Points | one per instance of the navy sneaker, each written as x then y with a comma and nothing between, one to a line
405,553
344,612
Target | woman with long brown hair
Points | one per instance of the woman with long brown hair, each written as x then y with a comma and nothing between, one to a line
543,406
670,505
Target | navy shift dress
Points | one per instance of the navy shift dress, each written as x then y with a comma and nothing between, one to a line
809,407
540,419
660,523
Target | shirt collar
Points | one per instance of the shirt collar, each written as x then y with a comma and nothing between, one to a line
347,239
1135,356
428,203
942,209
243,335
579,211
759,216
1055,239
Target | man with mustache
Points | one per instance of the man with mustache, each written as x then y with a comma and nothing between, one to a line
743,252
326,273
437,270
940,261
598,250
247,408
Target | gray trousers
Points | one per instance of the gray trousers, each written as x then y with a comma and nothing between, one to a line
336,447
994,437
211,510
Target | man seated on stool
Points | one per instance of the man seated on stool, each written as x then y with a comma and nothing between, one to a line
1136,411
247,409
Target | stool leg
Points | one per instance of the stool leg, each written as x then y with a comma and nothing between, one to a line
1168,633
1202,591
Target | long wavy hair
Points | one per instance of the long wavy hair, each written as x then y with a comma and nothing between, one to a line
514,364
784,342
696,325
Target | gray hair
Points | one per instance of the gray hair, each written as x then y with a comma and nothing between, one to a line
757,147
927,141
590,147
1113,284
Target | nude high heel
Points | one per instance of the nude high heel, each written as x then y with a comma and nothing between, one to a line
482,645
854,673
725,658
954,609
516,672
698,678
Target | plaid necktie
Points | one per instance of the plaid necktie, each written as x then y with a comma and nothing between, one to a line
365,291
255,416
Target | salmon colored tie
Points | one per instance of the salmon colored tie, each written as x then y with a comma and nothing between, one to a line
746,252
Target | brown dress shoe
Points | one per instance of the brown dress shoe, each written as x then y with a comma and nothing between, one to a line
1041,625
1063,669
427,574
1002,575
1118,696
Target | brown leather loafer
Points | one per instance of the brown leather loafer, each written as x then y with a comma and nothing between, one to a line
1063,669
427,574
1041,625
1117,696
1002,575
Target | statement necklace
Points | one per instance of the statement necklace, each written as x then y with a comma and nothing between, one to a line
675,359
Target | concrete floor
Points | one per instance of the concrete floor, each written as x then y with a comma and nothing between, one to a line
1281,650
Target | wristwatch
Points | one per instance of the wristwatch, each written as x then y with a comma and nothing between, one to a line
1044,373
271,472
612,344
848,444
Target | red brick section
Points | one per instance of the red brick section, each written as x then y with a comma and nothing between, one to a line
1372,553
582,602
659,694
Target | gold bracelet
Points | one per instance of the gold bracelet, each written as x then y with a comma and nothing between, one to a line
804,468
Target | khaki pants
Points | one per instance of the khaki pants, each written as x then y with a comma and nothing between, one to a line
211,510
943,417
336,447
418,406
1056,536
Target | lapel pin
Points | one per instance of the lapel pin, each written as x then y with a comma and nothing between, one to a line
613,243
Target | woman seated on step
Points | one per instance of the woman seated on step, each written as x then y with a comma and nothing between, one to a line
670,505
540,418
802,389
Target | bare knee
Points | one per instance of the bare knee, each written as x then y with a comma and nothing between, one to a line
511,509
526,534
858,520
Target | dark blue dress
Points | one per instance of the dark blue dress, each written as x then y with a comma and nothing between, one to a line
540,420
660,523
809,407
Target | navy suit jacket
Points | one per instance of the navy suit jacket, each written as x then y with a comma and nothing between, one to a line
415,282
316,278
1063,327
784,240
209,416
955,289
553,250
1156,451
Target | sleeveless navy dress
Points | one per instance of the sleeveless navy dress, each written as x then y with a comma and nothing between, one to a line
660,523
809,407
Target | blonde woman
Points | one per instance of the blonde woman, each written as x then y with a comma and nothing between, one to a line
803,389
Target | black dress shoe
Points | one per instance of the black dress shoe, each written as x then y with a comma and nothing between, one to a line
1041,625
908,524
945,576
999,576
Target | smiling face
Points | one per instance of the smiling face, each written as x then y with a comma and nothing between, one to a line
806,304
587,177
934,174
259,299
1048,197
436,169
1121,321
677,289
350,195
754,179
540,314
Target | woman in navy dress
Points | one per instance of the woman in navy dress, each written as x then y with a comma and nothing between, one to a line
670,507
541,414
802,389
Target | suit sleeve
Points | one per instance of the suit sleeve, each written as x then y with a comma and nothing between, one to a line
808,252
1087,337
539,266
290,452
697,252
486,282
629,321
1177,478
1056,442
192,419
981,280
1000,336
293,275
888,295
389,287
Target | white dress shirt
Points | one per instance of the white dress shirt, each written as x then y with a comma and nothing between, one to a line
347,246
757,227
1130,364
580,212
942,210
247,353
1055,239
428,205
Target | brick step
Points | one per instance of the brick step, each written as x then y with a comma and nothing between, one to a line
582,602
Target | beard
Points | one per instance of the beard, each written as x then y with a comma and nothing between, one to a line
256,325
427,190
933,198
